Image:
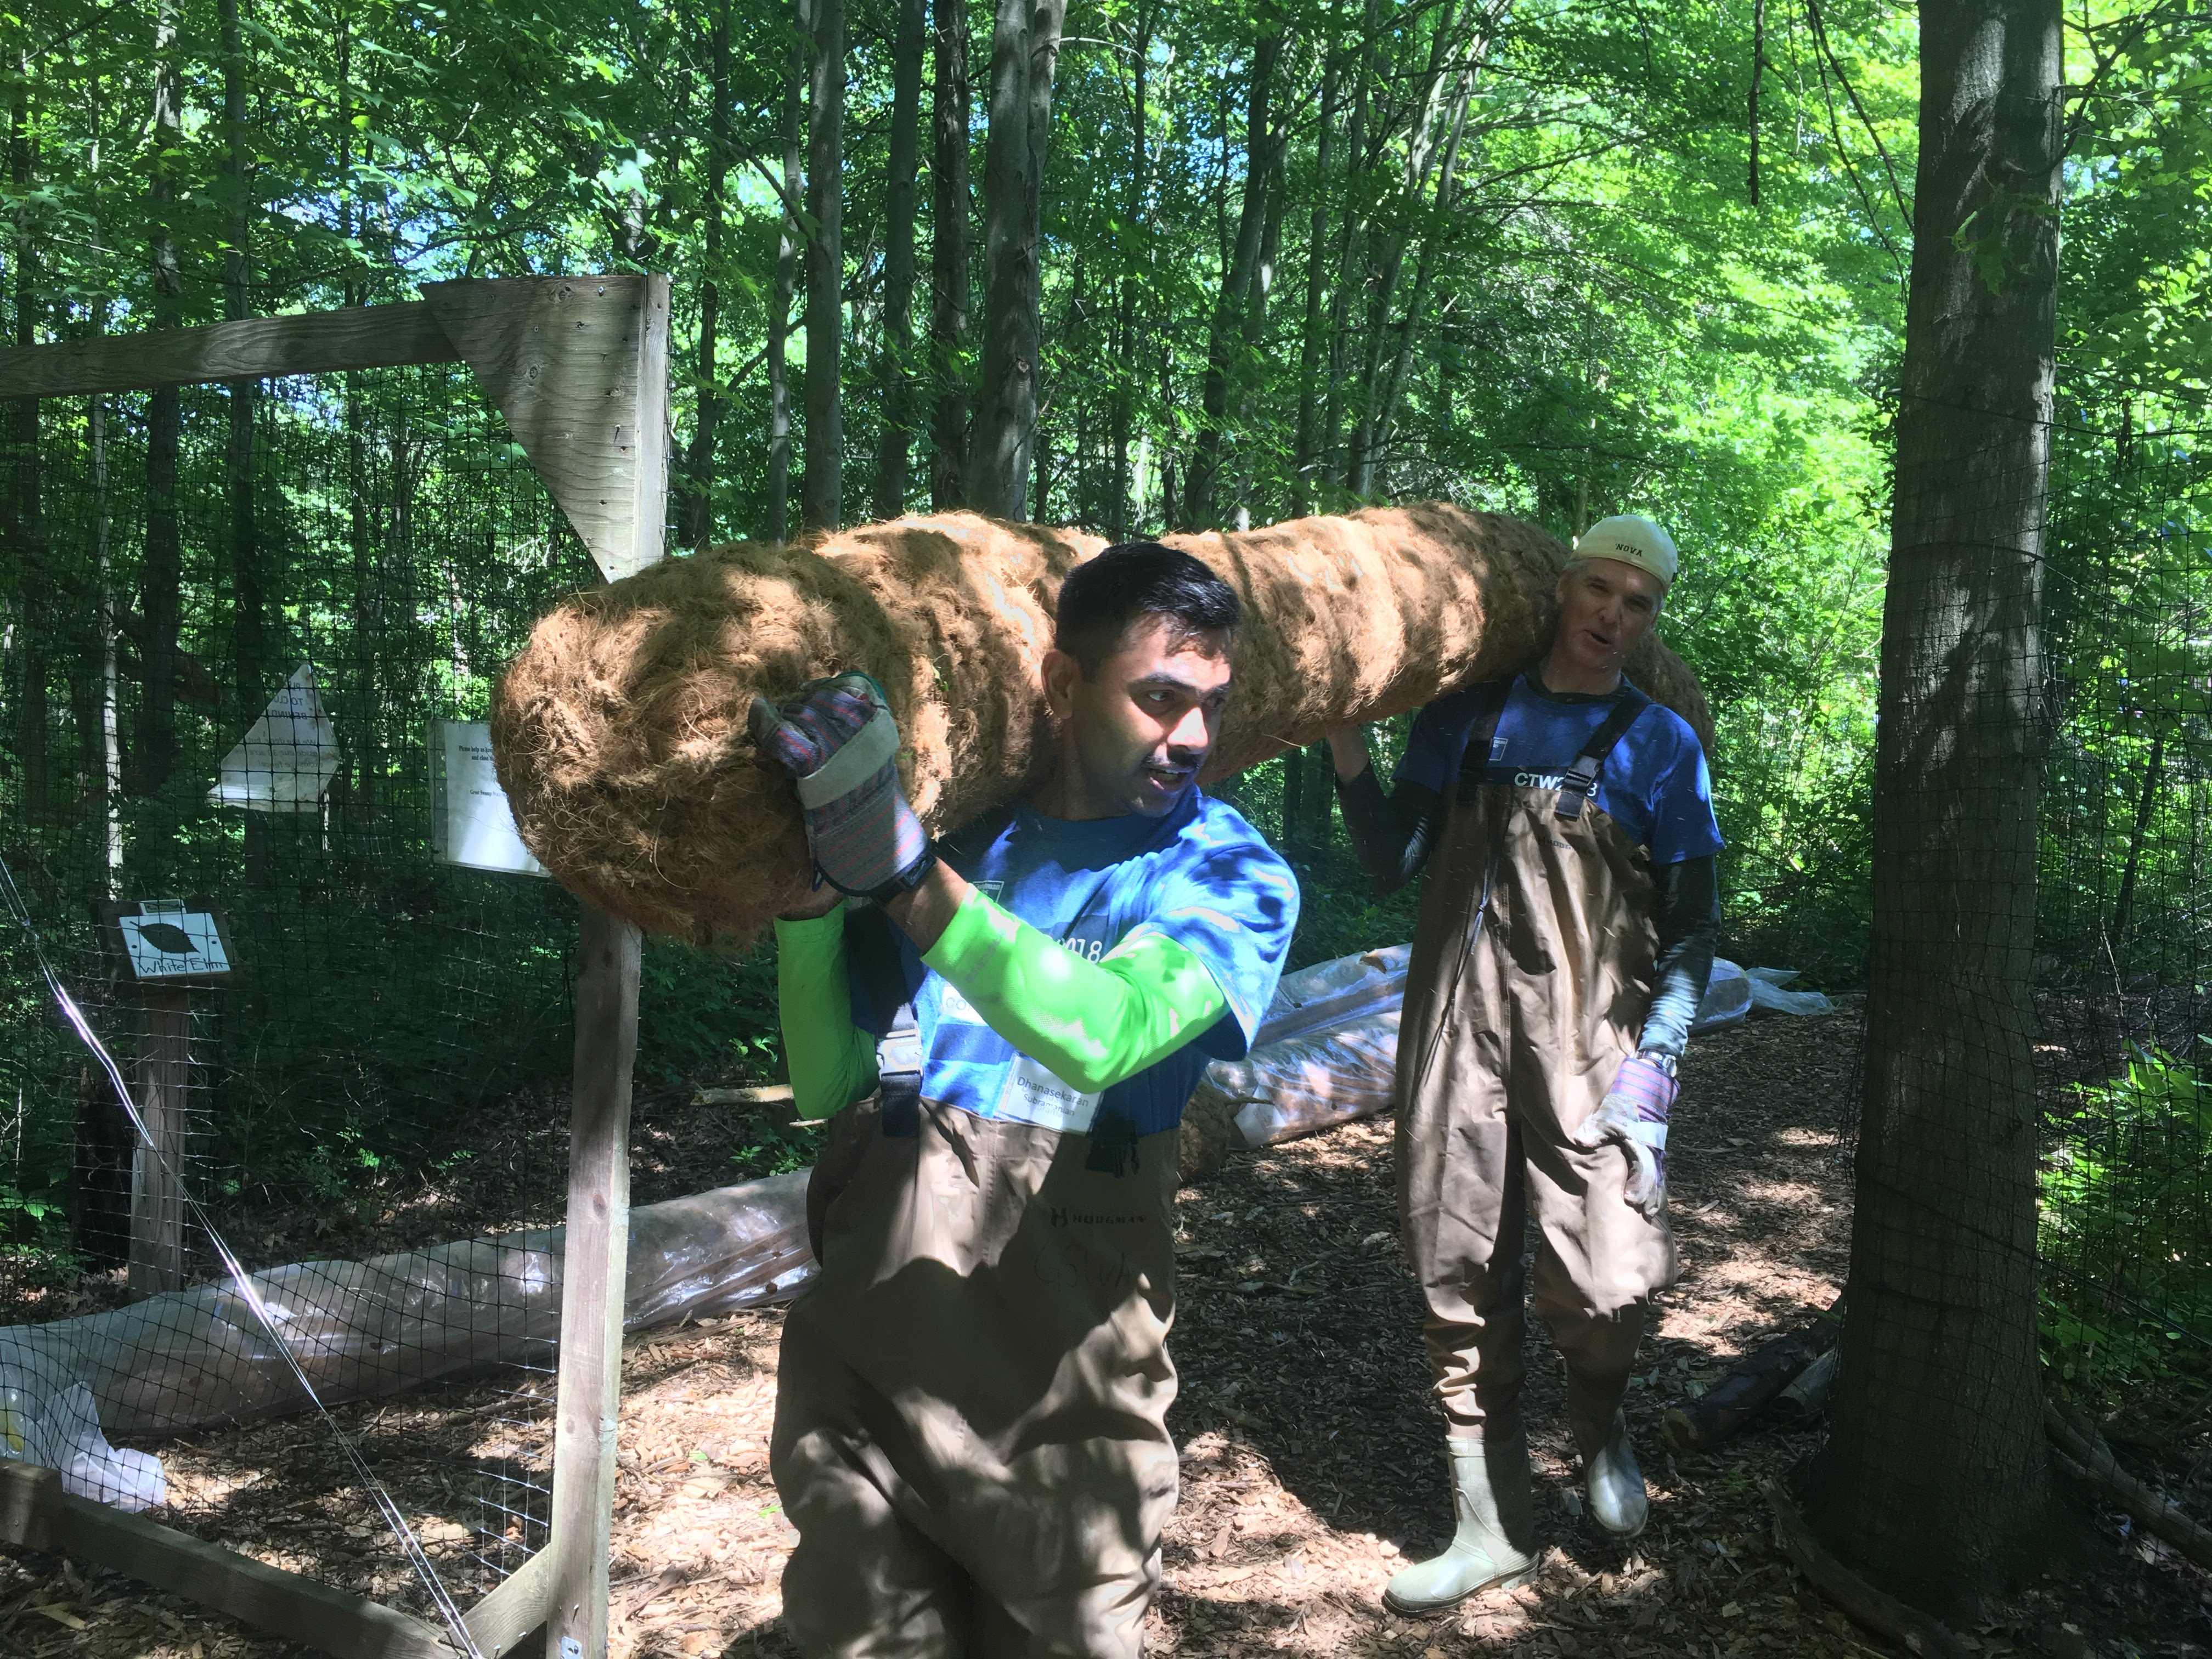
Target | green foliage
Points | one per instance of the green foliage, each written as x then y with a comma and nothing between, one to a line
703,1017
2126,1214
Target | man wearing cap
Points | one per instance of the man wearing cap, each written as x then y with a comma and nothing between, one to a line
1565,937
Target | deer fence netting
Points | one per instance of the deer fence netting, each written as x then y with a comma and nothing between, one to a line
249,822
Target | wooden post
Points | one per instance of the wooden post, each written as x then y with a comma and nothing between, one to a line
579,367
588,1392
157,1198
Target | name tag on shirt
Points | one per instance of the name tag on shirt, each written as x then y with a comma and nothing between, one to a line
1034,1095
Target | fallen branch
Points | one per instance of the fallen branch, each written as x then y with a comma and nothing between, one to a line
2088,1459
1726,1409
1877,1610
1807,1397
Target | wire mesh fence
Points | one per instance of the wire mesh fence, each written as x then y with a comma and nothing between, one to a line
250,819
2123,968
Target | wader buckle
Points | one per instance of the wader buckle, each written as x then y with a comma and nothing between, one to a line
898,1081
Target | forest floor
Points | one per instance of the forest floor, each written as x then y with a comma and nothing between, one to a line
1311,1467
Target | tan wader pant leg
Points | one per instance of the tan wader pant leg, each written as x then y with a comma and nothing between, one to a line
970,1431
1530,979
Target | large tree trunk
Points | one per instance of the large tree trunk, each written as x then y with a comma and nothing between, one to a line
895,377
1225,339
1934,1474
949,278
154,751
249,649
779,308
821,488
1025,53
697,529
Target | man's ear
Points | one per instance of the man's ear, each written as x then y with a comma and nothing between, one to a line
1061,672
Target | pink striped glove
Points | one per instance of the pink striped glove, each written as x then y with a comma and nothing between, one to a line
839,741
1634,1114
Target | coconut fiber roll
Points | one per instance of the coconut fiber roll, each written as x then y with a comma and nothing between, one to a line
620,735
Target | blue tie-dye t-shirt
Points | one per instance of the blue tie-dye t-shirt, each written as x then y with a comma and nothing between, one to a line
1654,784
1200,875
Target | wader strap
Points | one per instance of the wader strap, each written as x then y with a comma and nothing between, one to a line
898,1076
1489,706
1580,784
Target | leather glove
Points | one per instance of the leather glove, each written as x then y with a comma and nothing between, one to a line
838,741
1634,1114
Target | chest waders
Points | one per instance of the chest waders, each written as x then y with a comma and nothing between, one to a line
971,1401
1530,981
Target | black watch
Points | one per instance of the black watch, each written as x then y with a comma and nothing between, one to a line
908,878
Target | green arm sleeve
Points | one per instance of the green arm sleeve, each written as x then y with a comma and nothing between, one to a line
833,1062
1091,1024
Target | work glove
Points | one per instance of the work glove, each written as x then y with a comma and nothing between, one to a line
1634,1114
838,741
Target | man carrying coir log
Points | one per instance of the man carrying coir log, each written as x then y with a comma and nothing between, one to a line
970,1405
1565,937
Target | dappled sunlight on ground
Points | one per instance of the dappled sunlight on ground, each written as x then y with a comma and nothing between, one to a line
1311,1456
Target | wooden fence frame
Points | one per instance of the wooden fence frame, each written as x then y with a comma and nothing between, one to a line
579,368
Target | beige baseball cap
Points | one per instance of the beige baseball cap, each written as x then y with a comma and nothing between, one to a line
1631,540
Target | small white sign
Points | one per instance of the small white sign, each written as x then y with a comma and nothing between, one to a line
166,941
471,822
287,758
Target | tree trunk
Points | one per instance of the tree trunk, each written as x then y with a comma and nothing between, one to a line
1443,95
821,487
1126,351
779,311
1934,1474
107,793
949,278
697,529
1249,383
1394,383
2146,804
1349,238
1757,71
26,538
154,750
361,730
111,731
249,648
1225,338
1025,53
1307,440
894,376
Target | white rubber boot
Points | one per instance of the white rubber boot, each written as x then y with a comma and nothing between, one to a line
1497,1512
1615,1484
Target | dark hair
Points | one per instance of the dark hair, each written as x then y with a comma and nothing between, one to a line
1104,597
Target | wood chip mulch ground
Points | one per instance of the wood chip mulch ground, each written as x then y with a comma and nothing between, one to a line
1311,1468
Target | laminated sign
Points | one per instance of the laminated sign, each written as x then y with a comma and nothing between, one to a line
169,940
287,759
470,821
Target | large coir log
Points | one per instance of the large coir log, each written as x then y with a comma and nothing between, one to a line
620,730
